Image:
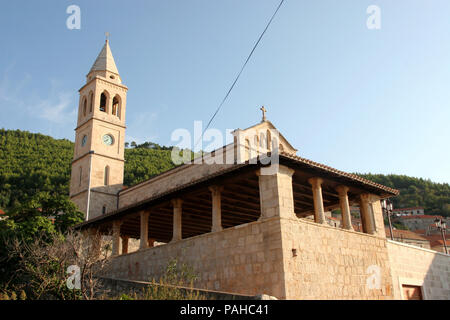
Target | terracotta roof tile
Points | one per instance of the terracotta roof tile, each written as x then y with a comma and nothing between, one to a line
405,234
421,216
340,173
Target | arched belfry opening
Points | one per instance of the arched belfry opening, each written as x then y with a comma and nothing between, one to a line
116,106
91,101
103,102
84,106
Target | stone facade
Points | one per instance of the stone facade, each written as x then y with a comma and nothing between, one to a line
323,262
168,180
420,222
246,259
294,259
428,269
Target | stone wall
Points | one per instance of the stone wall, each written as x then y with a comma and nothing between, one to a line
166,181
246,259
291,258
331,263
419,267
114,288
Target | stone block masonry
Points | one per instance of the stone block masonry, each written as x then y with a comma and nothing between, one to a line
294,259
246,259
421,267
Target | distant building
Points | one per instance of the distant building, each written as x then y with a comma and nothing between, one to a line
410,211
409,237
420,222
334,222
437,243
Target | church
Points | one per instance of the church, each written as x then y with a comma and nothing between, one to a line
250,218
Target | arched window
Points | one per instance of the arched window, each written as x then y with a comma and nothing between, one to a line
116,106
103,209
84,106
269,140
247,149
106,176
103,101
81,174
262,140
91,101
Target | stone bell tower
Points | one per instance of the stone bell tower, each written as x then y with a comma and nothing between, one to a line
98,162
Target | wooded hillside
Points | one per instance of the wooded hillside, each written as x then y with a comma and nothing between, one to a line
31,163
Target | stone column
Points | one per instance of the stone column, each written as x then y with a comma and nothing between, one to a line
216,208
125,244
345,207
366,214
276,194
378,216
116,237
319,212
144,230
177,212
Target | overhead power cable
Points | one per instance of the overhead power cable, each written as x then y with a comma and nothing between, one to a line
240,72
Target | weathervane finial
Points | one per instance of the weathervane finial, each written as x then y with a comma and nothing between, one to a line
264,110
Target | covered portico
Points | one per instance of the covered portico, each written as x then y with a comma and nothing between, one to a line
240,195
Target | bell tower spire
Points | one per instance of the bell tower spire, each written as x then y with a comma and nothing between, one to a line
98,163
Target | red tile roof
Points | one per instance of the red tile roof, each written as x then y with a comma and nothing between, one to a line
412,208
339,173
2,212
436,237
405,234
421,216
439,243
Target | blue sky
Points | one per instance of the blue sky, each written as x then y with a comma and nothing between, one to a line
356,99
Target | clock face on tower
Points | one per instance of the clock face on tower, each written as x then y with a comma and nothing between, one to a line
108,139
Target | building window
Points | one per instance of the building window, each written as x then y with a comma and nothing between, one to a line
81,174
262,141
84,107
103,100
247,149
106,182
103,209
91,101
